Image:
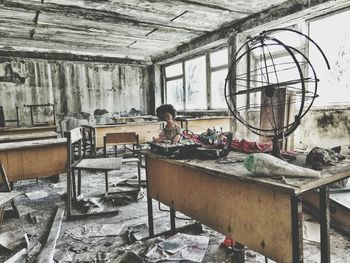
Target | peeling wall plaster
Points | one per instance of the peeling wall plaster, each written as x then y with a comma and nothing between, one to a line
74,88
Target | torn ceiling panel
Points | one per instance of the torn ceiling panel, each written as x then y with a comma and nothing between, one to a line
134,29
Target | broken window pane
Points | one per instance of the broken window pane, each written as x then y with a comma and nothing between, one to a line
175,94
173,70
219,58
196,88
217,98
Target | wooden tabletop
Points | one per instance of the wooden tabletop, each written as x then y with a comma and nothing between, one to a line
121,124
31,144
27,129
232,168
27,136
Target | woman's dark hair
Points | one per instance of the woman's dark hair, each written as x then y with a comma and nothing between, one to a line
162,109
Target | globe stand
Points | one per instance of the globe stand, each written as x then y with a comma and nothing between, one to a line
276,151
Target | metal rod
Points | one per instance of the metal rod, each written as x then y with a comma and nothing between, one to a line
149,210
172,219
324,224
297,229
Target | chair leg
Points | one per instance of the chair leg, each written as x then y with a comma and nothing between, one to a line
69,194
79,182
106,179
74,186
115,150
139,172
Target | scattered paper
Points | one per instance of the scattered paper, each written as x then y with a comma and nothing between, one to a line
94,230
108,230
180,247
35,195
311,231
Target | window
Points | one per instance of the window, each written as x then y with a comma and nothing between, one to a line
334,85
187,86
218,74
174,86
196,83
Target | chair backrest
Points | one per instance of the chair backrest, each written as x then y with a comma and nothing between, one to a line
74,138
119,138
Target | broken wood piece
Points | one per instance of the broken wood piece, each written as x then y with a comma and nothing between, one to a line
4,178
48,251
18,257
5,197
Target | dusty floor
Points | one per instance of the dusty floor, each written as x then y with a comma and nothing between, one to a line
74,248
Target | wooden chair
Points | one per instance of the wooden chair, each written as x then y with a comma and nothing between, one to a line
76,163
125,138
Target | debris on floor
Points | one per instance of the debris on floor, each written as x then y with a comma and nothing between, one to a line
138,232
180,247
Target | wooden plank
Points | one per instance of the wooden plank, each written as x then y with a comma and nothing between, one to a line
243,211
48,251
54,55
4,178
18,256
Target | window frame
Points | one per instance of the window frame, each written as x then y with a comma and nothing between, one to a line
209,70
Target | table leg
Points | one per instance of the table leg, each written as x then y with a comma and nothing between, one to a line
297,229
324,224
239,253
172,219
150,216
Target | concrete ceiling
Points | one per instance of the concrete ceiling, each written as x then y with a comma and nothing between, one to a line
129,29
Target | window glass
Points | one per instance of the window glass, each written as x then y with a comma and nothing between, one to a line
334,84
217,84
219,58
195,76
175,94
173,70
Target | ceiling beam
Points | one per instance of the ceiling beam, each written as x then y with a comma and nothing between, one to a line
69,57
90,14
213,6
265,16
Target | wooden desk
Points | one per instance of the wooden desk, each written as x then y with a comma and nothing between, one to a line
27,133
32,159
200,125
146,131
263,214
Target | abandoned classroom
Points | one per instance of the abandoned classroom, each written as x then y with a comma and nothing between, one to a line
174,131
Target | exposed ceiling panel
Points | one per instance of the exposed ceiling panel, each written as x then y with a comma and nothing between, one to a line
135,29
